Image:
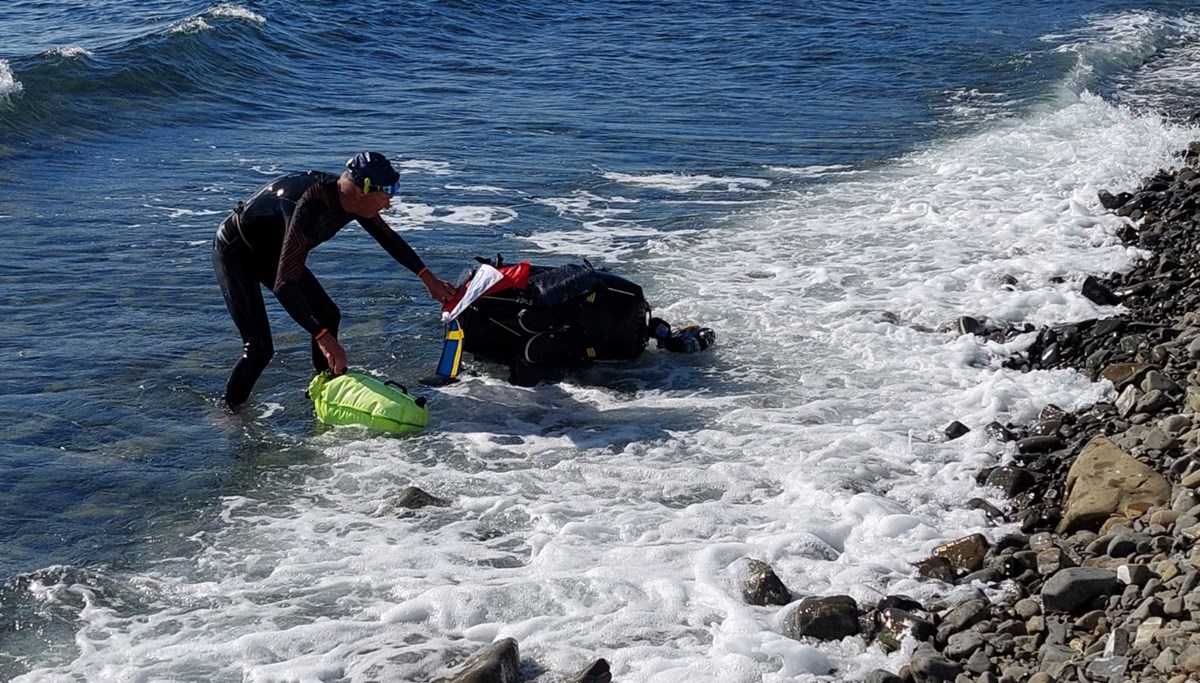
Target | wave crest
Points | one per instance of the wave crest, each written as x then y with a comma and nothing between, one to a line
9,85
230,10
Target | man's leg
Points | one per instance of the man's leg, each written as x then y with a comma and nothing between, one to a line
244,299
326,311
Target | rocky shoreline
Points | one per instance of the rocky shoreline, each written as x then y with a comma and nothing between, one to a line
1102,583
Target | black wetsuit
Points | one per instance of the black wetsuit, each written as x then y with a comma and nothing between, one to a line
265,242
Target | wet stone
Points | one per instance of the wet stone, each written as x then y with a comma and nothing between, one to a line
763,587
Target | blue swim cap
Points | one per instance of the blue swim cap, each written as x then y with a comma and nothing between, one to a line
372,171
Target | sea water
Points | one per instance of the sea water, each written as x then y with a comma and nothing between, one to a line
824,184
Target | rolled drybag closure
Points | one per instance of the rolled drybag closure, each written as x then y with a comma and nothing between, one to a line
358,399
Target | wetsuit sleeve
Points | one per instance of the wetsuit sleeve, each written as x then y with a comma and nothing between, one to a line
292,256
392,243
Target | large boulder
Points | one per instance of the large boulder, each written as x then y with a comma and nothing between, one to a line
1105,480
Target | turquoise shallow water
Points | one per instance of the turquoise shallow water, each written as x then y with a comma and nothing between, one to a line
128,129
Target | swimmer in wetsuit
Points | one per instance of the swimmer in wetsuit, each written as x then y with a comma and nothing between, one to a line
266,240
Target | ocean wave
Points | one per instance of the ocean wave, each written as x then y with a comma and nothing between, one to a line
1116,45
63,88
224,10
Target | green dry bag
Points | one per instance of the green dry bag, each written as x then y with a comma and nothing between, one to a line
358,399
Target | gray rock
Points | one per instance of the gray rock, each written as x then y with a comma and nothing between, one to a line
1153,402
1177,425
1156,381
824,618
930,667
496,663
962,645
1189,659
1027,608
955,430
1052,658
881,676
1108,669
963,616
893,625
1014,674
1118,642
1073,590
1187,500
413,498
1051,560
763,587
979,662
1042,540
1034,445
1011,480
1135,574
597,672
1127,401
1165,661
936,568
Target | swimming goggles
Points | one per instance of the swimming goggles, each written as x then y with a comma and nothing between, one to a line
390,190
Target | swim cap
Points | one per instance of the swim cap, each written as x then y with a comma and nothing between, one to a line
372,171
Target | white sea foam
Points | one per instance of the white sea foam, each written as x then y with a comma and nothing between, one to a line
70,52
476,188
681,182
817,171
191,25
232,11
173,212
414,216
437,168
9,85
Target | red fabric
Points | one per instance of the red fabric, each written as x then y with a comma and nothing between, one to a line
513,276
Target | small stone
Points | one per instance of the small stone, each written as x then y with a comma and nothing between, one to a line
414,497
1135,574
1146,631
965,554
763,587
955,430
1107,668
1027,608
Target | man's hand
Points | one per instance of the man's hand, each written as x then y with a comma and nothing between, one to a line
335,355
439,289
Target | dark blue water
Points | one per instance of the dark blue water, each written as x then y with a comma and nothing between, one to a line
118,161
